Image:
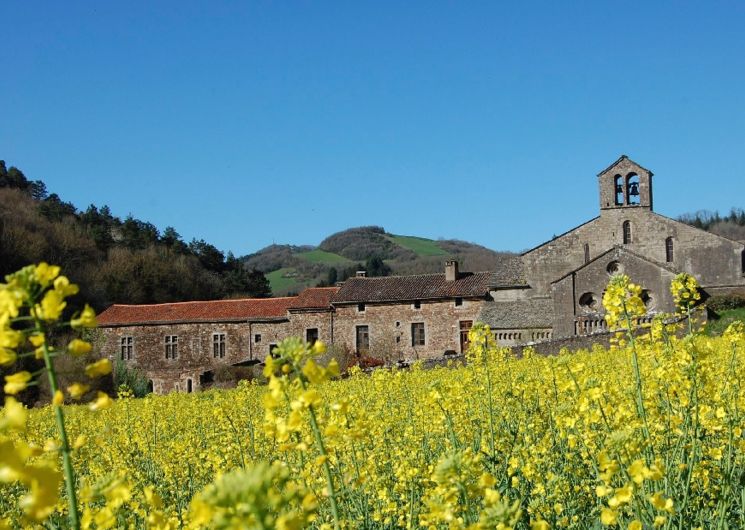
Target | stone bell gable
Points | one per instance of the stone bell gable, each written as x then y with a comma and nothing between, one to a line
626,219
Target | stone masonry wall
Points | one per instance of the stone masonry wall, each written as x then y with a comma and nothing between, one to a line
390,327
714,260
302,321
265,335
194,351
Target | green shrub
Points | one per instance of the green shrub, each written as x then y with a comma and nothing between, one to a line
132,378
725,302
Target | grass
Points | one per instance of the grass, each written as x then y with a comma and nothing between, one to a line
726,317
420,245
283,281
321,256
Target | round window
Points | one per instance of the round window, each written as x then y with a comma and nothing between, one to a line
614,268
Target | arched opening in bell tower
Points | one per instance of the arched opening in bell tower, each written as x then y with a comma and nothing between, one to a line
618,186
632,189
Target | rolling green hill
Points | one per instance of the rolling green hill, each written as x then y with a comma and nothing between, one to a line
291,268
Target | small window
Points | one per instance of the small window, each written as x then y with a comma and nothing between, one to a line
362,339
218,345
272,353
125,352
742,262
417,334
587,253
669,249
626,232
311,335
257,338
189,385
417,305
458,302
360,308
171,346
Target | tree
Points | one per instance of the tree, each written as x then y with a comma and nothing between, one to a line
375,266
332,277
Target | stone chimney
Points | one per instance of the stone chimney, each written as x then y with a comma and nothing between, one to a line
451,270
361,274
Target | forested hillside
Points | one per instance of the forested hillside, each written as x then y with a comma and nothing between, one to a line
731,225
114,260
370,248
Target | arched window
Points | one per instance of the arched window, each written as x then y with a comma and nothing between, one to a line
626,232
618,186
632,189
587,252
669,249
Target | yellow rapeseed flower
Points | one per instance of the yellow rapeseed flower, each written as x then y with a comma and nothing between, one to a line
17,382
79,347
99,368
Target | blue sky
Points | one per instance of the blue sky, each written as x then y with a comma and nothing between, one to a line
251,123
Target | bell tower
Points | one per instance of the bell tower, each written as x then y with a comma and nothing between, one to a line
625,184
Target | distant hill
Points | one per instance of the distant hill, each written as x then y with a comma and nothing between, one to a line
291,268
731,225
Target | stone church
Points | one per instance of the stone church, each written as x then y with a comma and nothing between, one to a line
550,292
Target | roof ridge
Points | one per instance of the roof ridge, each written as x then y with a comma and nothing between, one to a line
412,275
184,302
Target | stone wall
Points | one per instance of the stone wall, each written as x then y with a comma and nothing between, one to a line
264,336
195,354
389,326
302,321
714,260
580,293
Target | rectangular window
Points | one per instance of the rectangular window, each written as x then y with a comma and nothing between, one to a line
171,346
311,335
361,308
126,348
257,338
417,334
272,347
417,305
363,339
458,302
218,345
465,327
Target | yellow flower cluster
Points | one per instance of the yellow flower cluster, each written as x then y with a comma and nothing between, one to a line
622,302
649,435
32,302
684,289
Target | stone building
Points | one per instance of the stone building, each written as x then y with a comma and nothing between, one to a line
550,292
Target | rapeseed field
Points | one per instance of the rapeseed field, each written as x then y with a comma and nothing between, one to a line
646,434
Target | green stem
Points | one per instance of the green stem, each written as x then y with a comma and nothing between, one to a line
326,467
69,473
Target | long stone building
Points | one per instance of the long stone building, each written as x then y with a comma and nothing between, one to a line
551,291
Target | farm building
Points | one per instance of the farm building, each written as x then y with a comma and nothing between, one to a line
551,291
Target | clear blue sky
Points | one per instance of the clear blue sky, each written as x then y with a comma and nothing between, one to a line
252,123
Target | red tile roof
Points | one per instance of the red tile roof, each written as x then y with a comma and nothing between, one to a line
207,311
315,298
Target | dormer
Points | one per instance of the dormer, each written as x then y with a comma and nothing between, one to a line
625,184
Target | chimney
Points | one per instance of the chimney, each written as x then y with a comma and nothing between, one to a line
361,274
451,270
